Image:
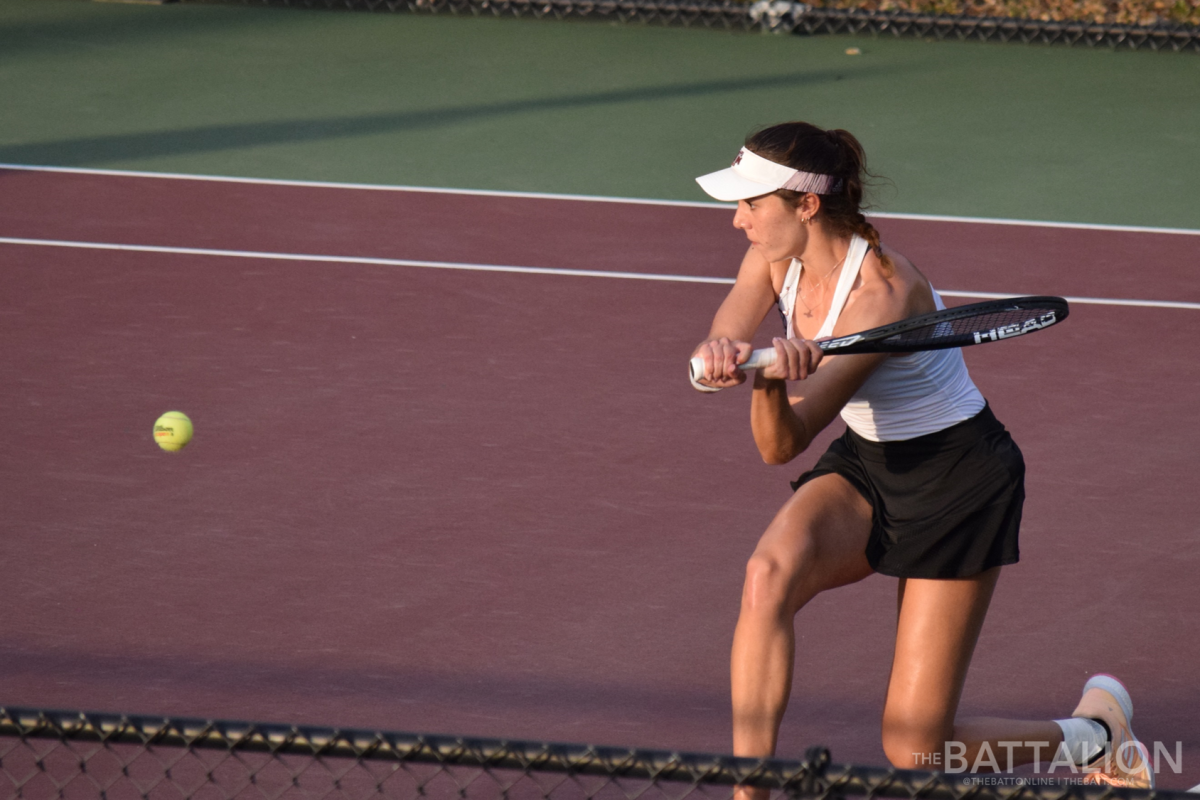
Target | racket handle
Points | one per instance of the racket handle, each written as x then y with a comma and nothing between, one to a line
760,358
757,360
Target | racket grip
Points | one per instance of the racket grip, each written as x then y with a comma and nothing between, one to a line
757,360
760,358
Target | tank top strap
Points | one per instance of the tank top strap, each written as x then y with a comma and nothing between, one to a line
854,260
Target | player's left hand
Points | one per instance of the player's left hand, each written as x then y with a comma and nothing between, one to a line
722,358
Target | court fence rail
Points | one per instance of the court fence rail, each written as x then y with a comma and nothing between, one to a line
785,16
84,756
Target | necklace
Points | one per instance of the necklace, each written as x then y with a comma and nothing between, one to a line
819,284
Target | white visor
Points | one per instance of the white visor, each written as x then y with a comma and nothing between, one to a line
752,175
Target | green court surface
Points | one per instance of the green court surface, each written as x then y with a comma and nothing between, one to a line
962,128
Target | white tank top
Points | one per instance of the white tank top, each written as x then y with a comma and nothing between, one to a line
907,396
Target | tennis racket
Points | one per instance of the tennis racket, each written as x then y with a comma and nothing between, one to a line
977,323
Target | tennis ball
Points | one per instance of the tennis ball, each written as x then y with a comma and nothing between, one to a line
173,430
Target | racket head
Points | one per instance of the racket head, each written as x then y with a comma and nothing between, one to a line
961,326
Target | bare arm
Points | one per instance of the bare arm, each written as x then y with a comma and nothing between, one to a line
739,316
784,426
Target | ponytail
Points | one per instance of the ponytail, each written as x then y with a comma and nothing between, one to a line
867,231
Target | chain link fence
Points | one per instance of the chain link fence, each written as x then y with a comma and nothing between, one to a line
86,756
784,16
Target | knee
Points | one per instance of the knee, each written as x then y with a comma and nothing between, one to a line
914,752
914,746
773,582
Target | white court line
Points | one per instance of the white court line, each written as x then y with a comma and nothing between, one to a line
387,262
583,197
369,187
1095,301
577,273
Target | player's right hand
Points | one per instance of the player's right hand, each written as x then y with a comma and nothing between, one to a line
795,359
721,359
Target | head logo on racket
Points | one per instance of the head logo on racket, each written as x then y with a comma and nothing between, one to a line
1016,329
845,341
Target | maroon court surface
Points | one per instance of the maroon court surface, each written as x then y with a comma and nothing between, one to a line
490,503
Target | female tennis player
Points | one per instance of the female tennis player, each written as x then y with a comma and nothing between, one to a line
925,485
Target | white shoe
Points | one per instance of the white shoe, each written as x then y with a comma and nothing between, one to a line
1126,761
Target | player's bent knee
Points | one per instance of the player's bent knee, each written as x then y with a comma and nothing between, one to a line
914,741
771,583
913,749
913,753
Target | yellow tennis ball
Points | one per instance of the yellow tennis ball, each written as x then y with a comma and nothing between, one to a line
173,430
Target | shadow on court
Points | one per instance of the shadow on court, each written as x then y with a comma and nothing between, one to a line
214,138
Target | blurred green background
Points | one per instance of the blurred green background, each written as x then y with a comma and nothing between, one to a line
963,128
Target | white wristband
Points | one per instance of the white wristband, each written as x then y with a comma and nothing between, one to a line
700,386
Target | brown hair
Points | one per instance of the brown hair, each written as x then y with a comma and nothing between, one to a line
806,147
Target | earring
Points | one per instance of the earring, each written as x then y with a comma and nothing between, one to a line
806,220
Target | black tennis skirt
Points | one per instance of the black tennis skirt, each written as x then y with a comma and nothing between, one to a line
946,505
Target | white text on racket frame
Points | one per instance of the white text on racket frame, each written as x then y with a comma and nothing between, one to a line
1016,328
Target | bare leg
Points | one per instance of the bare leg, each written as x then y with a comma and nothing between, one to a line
938,626
816,542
